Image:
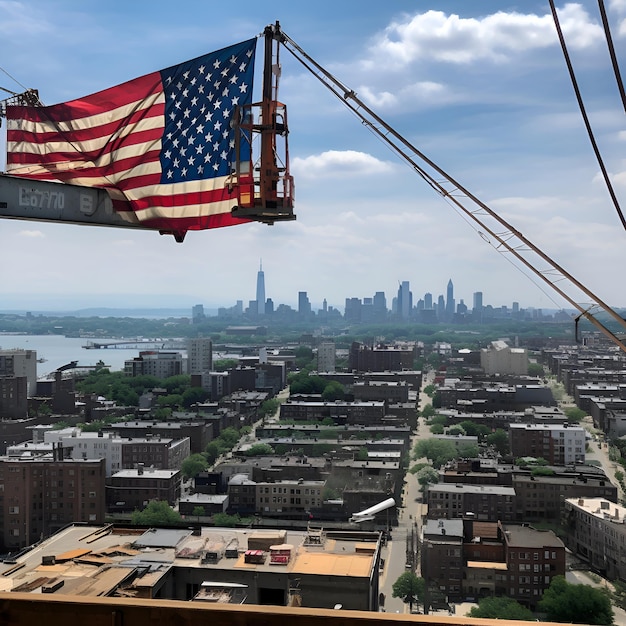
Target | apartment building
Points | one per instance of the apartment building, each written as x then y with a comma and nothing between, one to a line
559,444
39,495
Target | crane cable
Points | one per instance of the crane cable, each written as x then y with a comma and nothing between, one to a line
609,43
583,112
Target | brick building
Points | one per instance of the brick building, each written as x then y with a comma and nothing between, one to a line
40,495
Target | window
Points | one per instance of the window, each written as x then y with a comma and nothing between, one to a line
14,510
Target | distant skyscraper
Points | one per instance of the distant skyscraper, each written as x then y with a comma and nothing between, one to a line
199,355
450,304
380,305
478,301
304,305
197,313
428,300
326,356
477,309
405,300
260,290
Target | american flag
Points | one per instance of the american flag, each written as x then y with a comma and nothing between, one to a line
163,145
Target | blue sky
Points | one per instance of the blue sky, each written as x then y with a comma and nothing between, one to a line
480,87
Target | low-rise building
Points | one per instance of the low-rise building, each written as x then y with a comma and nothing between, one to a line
132,489
596,531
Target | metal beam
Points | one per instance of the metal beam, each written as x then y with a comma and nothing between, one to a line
44,201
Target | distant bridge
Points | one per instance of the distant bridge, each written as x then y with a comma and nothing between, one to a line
138,344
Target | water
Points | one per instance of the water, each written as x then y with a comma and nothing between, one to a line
59,350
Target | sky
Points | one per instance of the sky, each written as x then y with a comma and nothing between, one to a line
481,88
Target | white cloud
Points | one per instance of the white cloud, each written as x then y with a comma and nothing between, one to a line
17,17
34,234
498,37
618,5
335,163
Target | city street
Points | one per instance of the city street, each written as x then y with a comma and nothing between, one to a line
410,512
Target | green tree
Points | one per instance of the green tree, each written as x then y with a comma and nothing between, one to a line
259,449
193,465
472,429
428,411
221,365
226,521
437,429
268,407
535,369
456,429
578,604
172,400
230,437
574,414
361,454
333,391
409,588
194,395
198,511
439,451
157,513
499,440
427,476
429,390
501,608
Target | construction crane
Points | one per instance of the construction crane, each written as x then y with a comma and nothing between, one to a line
493,228
264,185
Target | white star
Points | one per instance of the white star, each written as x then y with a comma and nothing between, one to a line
235,101
243,88
183,152
177,104
194,101
191,160
183,172
200,88
208,138
200,129
224,155
168,154
172,116
175,143
225,91
234,78
226,112
200,169
193,81
216,64
216,166
218,125
179,85
242,67
233,59
186,75
192,140
207,158
175,162
201,69
185,92
186,113
217,104
170,173
199,149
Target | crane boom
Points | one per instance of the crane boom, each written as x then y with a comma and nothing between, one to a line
504,237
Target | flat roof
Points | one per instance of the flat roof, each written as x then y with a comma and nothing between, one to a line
97,559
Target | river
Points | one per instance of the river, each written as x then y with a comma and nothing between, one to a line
58,350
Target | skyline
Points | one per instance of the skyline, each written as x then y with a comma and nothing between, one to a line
496,111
